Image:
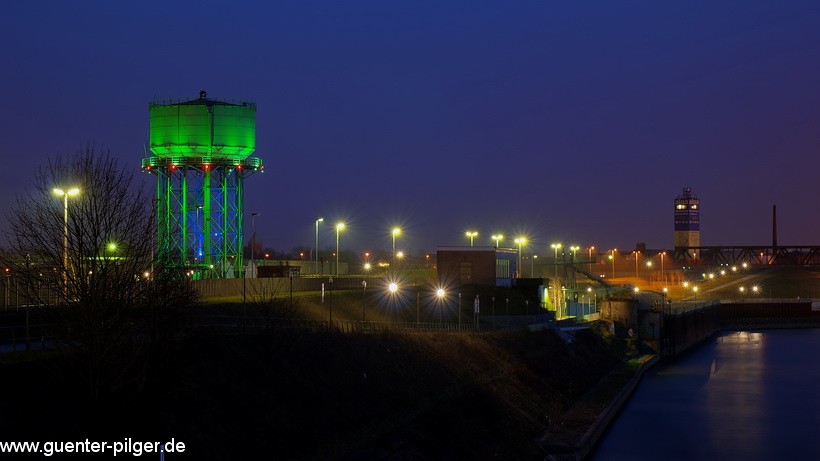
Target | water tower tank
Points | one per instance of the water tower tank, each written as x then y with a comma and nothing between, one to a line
216,128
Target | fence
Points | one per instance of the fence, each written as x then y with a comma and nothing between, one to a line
235,324
236,287
15,294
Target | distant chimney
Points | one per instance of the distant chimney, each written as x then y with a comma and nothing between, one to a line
774,226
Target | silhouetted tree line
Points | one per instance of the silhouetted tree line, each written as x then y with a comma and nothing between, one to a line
81,243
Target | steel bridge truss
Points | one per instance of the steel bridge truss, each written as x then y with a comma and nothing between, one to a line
753,255
200,215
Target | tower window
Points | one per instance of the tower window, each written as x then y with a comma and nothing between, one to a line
680,206
694,207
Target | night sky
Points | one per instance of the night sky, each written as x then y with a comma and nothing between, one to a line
575,122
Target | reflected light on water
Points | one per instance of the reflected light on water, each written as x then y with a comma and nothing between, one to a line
734,398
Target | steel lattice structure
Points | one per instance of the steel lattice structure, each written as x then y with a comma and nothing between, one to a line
201,160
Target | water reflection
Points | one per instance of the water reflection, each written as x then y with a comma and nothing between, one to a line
733,402
743,395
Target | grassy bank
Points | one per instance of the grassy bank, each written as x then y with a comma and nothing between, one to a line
297,395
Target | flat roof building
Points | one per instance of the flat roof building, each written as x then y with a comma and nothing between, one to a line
489,266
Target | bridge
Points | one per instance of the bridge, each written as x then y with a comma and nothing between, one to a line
752,255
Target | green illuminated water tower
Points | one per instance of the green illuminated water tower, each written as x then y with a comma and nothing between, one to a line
201,155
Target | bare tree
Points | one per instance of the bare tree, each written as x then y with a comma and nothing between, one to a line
273,306
89,255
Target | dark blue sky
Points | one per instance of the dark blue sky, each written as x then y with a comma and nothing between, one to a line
568,121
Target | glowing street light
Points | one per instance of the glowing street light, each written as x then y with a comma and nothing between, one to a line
612,258
663,274
440,294
316,252
472,236
520,241
556,247
339,227
532,265
396,231
65,194
589,261
497,238
637,257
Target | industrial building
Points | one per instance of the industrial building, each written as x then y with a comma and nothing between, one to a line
477,265
687,222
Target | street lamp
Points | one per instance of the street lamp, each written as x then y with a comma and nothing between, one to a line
589,261
339,227
556,247
574,249
663,274
637,255
111,247
612,257
649,272
440,293
472,236
396,231
497,238
253,244
392,288
532,265
316,253
520,241
65,195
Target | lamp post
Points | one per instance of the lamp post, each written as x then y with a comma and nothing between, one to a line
637,256
520,241
316,253
330,284
393,287
65,195
497,238
472,236
111,247
459,311
440,293
253,243
532,265
556,247
649,272
339,227
573,251
612,258
589,261
663,274
396,231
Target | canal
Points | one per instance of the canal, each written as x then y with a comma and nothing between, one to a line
742,395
